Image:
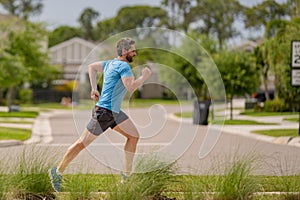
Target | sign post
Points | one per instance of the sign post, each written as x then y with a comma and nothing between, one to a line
295,71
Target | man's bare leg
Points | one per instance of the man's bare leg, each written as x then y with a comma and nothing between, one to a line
75,149
128,129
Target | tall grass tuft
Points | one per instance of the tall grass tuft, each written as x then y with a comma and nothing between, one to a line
235,183
29,175
151,180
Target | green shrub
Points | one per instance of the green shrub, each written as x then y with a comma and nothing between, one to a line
25,95
275,105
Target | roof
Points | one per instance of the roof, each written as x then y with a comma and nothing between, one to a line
72,41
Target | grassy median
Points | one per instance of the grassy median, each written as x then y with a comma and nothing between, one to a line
14,134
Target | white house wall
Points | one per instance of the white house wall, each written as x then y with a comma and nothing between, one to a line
72,54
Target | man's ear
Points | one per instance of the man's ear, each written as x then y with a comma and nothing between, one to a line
124,52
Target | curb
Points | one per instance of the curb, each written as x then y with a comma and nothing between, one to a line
40,133
8,143
41,130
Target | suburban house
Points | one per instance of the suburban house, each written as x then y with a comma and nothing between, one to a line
71,55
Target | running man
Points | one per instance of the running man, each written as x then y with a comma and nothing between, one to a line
118,78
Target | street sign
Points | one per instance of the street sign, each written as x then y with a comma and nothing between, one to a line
295,71
295,77
295,58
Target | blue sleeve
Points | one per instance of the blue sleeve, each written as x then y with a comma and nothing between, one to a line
125,71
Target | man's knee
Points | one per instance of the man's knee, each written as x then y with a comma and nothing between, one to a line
134,138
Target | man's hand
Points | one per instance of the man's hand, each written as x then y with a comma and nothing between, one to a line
146,72
95,95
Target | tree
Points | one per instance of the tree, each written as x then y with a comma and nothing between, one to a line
217,19
294,8
261,14
22,61
140,17
86,21
63,33
187,69
180,13
278,58
22,8
133,18
238,72
105,28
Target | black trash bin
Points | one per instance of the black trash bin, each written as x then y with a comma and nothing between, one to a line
201,111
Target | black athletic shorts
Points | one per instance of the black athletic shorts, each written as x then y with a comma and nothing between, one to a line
102,119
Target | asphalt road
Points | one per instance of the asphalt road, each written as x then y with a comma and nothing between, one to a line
196,149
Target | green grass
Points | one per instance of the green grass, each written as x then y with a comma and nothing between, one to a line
141,103
25,174
22,114
245,122
151,179
278,132
33,179
234,181
44,106
296,119
184,114
264,114
14,134
21,121
226,122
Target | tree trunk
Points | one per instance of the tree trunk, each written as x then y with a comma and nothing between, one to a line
1,96
231,108
265,83
11,95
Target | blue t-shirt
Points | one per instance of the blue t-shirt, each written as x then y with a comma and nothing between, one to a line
113,90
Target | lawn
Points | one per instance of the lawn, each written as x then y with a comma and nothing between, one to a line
14,134
226,122
278,132
245,122
141,103
296,119
264,114
22,117
22,114
15,121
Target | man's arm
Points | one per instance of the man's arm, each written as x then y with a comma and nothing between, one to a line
131,84
94,68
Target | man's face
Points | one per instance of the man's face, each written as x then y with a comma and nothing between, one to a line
131,54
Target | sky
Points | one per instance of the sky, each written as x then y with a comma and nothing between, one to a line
66,12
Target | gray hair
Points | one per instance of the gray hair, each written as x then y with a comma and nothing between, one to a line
124,43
